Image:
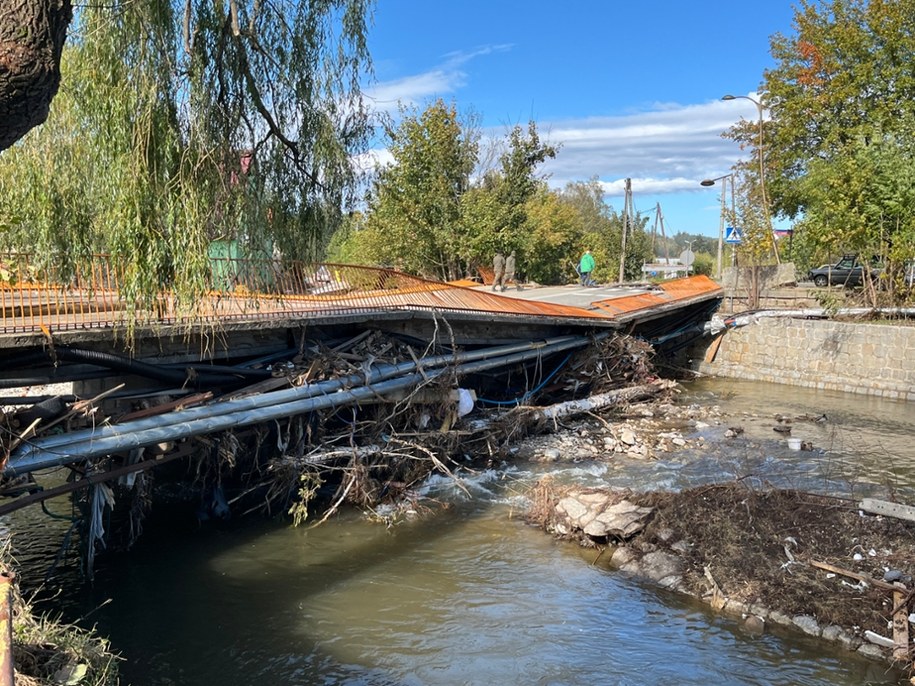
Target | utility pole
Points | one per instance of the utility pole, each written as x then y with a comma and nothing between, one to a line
627,213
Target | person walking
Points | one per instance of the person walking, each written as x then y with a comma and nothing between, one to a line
585,267
510,271
498,270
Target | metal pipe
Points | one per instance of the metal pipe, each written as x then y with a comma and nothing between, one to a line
35,457
379,373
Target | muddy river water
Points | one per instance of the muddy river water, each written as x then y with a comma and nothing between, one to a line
472,595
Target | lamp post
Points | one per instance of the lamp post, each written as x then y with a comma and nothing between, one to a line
724,185
762,170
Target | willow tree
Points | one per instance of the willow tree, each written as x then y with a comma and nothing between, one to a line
181,123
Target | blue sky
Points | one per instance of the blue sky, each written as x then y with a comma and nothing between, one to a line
627,89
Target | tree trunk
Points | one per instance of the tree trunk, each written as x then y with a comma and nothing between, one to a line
32,34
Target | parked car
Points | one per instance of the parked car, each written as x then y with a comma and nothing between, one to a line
848,272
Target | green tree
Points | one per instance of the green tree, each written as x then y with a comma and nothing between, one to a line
552,236
416,201
603,232
518,181
842,103
181,123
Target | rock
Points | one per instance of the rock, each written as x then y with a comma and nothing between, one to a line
622,520
596,499
661,566
831,632
679,442
665,534
779,618
870,650
571,508
755,624
682,547
807,624
627,437
847,639
551,455
758,610
892,575
637,451
735,607
623,555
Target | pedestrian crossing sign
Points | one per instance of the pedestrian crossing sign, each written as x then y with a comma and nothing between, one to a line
733,235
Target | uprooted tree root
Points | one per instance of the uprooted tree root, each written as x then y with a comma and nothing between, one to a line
759,545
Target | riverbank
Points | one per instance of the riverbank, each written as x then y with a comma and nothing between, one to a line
776,558
47,650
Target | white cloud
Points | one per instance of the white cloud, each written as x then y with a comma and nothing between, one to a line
413,89
444,79
664,149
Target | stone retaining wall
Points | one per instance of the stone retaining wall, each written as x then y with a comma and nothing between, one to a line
874,359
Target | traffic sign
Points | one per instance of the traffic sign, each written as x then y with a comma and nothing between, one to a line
733,235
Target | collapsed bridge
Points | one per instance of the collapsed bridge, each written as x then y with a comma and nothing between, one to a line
317,362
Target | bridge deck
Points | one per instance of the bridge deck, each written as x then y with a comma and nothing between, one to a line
255,292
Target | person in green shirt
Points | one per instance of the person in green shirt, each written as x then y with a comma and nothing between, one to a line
585,267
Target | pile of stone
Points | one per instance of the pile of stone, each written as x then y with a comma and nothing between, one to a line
604,517
645,432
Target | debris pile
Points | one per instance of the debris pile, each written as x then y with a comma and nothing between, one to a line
355,421
829,567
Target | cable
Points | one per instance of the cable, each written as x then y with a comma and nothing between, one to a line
528,394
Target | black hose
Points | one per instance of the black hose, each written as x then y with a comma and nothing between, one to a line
149,371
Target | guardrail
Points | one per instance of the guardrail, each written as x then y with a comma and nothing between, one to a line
35,298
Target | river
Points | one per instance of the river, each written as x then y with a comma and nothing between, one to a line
470,594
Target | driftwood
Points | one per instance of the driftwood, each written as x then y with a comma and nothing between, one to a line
602,401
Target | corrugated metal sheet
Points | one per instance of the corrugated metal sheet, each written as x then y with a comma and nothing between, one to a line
33,299
672,292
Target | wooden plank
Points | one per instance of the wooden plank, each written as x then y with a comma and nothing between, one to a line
900,626
888,509
876,583
713,348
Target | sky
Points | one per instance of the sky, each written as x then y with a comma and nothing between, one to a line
626,89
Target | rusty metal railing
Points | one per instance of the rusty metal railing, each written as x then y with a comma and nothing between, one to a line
35,298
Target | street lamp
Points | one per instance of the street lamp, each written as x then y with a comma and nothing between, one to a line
711,182
762,171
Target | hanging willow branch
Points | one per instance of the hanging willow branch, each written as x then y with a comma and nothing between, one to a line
177,127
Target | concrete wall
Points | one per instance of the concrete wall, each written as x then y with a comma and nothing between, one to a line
770,276
874,359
